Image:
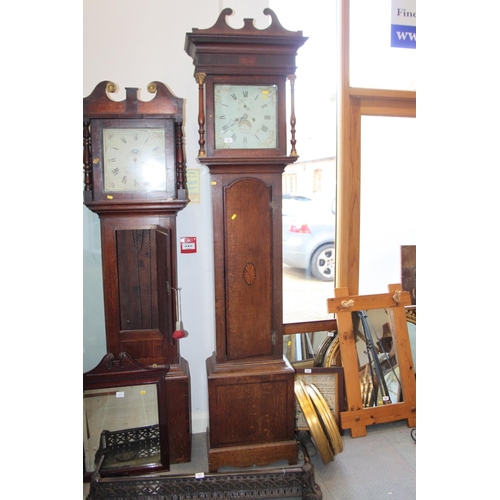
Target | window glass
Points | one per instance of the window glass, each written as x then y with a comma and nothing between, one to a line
373,62
388,209
93,298
308,256
309,185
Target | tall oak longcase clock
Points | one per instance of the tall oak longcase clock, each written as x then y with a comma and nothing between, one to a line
242,76
134,179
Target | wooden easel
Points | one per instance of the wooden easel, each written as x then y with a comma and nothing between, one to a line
343,305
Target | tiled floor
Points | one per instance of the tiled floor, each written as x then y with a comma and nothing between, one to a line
377,466
380,465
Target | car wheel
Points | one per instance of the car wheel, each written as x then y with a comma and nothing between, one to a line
323,262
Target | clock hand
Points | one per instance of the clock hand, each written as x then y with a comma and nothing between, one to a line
227,125
240,121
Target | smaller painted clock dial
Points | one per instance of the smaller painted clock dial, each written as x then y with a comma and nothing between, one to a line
134,159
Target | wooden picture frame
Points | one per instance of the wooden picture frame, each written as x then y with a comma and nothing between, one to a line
411,322
357,417
409,271
330,382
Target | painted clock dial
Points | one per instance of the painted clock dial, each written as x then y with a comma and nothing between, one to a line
245,116
134,159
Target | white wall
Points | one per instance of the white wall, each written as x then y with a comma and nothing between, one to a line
131,43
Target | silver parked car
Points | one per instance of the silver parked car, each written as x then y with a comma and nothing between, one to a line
309,234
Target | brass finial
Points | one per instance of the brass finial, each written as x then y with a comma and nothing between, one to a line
111,87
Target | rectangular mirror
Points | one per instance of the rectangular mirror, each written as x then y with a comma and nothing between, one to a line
305,344
377,358
124,418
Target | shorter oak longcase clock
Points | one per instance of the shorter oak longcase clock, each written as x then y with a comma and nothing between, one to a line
134,159
134,179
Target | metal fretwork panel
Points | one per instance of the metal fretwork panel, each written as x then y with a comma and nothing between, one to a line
288,482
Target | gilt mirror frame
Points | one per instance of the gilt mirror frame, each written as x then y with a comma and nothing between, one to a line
115,374
356,417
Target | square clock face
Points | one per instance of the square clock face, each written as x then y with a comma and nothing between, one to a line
134,160
245,116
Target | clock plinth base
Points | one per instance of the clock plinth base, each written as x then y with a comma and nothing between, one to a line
249,455
178,411
251,413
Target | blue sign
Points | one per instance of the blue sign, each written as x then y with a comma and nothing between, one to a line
404,24
403,36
